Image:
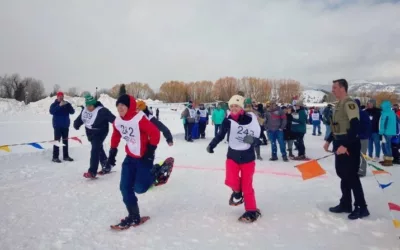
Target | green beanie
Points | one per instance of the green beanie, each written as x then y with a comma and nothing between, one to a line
247,101
89,100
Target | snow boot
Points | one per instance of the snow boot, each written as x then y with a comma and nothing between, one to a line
250,216
299,158
290,153
387,162
257,149
236,199
358,213
340,209
131,220
285,159
56,160
273,158
68,159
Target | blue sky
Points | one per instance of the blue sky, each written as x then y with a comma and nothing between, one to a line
101,43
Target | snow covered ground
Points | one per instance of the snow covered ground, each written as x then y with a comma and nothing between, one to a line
45,205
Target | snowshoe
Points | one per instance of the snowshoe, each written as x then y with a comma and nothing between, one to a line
236,199
129,222
104,172
163,172
250,216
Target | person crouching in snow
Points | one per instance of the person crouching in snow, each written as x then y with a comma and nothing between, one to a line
243,131
141,106
96,118
142,138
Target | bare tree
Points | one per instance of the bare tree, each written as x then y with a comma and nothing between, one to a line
173,91
103,91
85,92
34,90
225,88
73,92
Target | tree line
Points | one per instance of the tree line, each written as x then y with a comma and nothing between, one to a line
29,89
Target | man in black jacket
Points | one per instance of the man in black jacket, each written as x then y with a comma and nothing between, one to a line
375,116
96,119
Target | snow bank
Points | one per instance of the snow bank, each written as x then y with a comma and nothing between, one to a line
10,106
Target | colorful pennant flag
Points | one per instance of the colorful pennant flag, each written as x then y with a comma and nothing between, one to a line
380,172
383,186
394,207
35,145
310,169
76,139
372,165
396,223
5,148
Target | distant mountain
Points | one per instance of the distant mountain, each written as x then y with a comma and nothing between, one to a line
313,95
362,86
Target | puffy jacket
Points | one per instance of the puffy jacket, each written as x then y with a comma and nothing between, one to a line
218,116
365,123
299,121
327,115
388,121
61,114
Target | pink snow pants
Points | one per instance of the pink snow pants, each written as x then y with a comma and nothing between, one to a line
239,177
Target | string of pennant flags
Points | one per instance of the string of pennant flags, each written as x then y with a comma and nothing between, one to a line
312,169
37,145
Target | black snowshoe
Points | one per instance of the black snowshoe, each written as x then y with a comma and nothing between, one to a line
236,199
163,172
250,216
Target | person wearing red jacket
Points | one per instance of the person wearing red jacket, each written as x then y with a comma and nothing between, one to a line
142,138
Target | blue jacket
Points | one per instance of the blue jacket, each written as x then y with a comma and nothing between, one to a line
365,130
61,114
387,124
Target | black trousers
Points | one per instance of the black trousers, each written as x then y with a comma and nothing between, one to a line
262,136
299,142
395,151
97,153
202,128
58,134
347,167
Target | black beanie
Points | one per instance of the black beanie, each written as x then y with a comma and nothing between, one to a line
123,99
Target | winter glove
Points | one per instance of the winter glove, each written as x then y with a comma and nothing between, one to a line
210,149
249,139
76,127
148,157
111,156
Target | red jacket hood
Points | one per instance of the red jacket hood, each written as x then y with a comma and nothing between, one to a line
131,110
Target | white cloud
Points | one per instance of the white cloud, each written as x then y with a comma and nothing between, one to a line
99,43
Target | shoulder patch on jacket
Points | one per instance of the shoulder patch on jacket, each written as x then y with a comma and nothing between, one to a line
352,106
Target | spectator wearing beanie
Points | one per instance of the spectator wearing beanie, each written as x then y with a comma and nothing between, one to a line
61,110
275,123
374,140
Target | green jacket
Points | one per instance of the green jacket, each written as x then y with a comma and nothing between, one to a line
218,116
299,122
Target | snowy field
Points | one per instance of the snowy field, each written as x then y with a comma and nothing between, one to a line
46,205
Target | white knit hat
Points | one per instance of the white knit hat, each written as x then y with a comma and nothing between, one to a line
238,100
